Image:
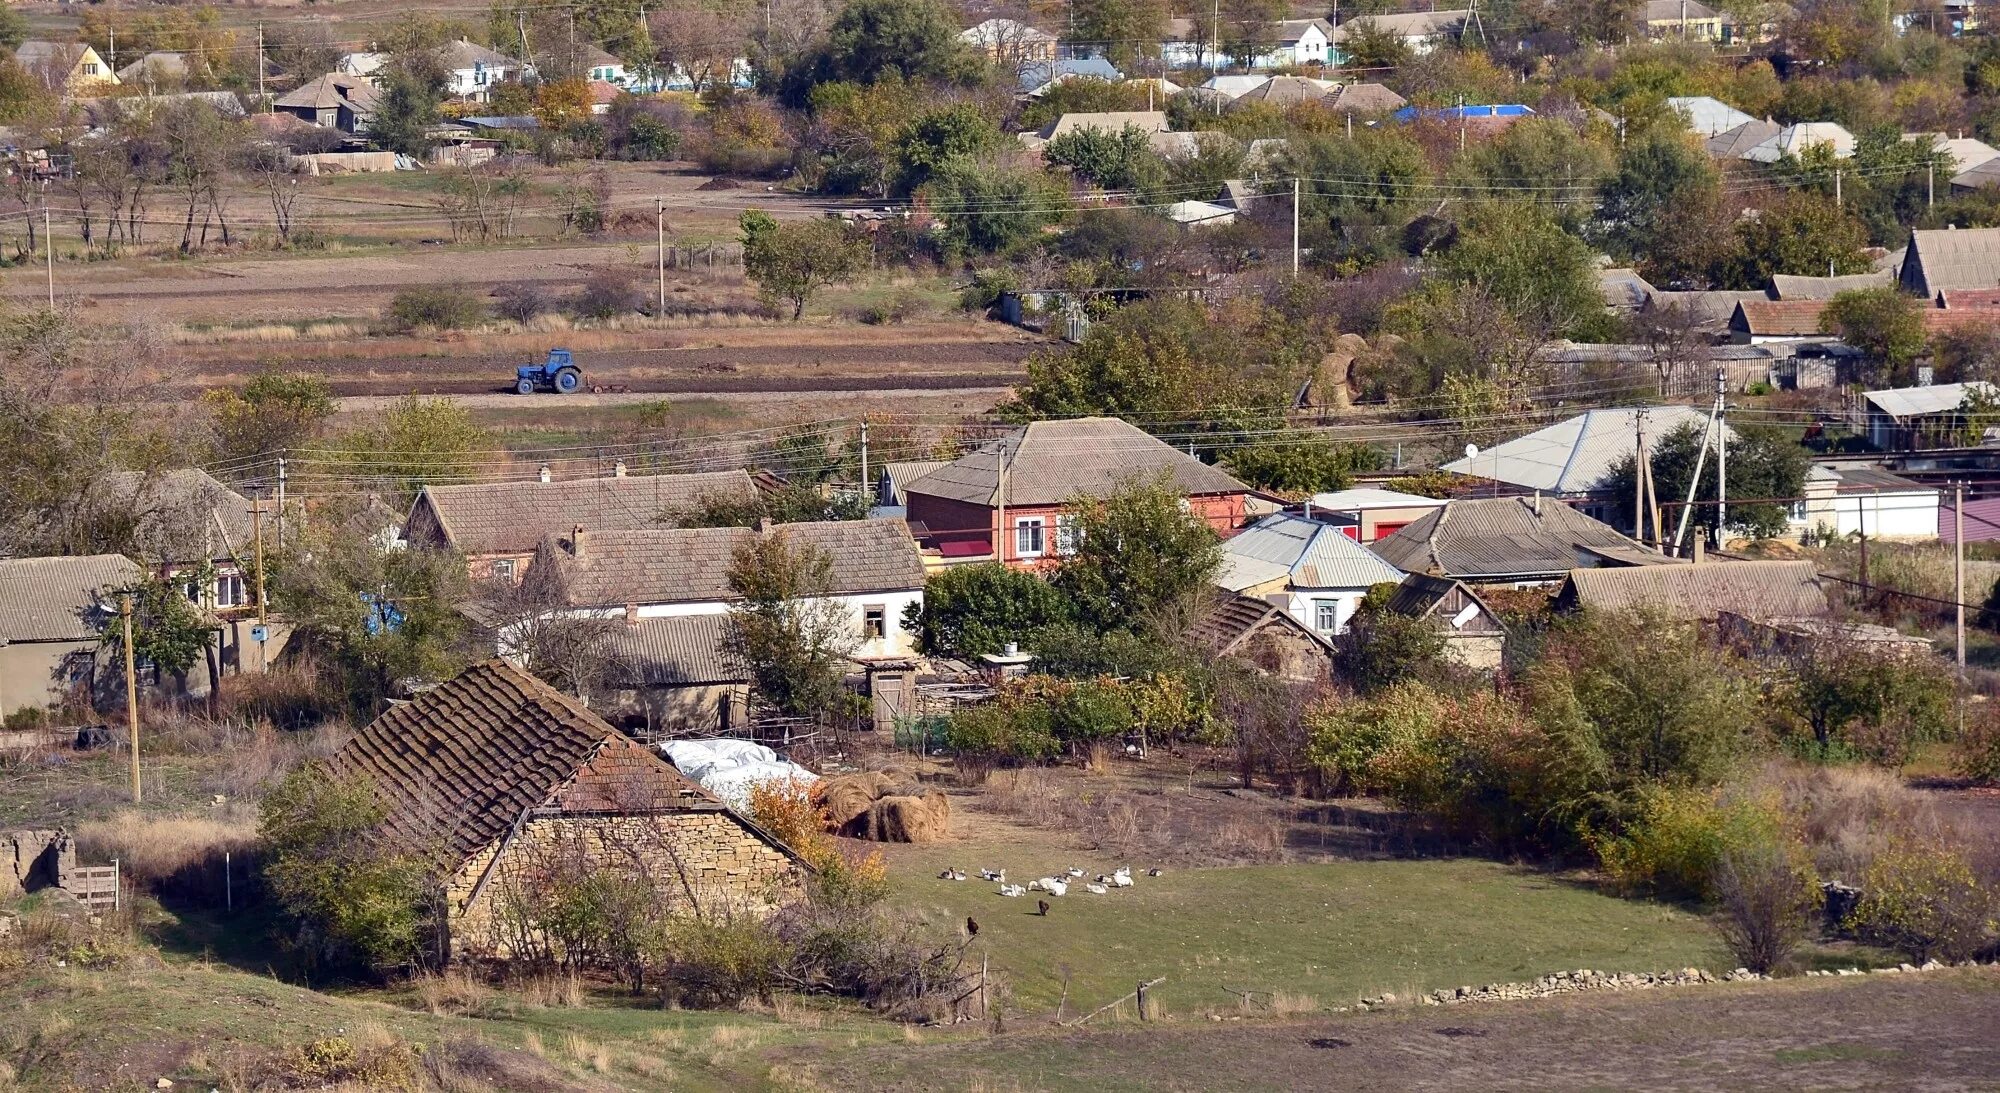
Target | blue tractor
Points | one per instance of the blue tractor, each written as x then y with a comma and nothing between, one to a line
558,373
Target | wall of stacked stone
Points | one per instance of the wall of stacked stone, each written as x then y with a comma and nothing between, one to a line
1577,982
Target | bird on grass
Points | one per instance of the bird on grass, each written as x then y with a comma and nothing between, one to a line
1013,890
1154,872
971,926
1042,907
1096,889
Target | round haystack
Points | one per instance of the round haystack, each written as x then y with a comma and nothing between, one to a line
910,819
884,806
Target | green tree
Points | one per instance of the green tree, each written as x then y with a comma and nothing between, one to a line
1544,158
792,262
1665,187
1123,160
1123,29
13,28
407,110
1881,322
916,40
1369,45
988,209
1301,464
1138,552
1799,233
1865,699
1517,254
418,440
968,610
354,899
788,629
1763,463
1373,174
954,134
1381,649
168,629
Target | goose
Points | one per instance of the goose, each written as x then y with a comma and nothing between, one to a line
1012,890
1120,880
1073,871
993,874
1122,871
958,874
1095,889
1154,872
1056,887
944,874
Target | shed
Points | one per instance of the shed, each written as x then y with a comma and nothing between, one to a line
52,615
501,783
1263,635
1700,592
1855,499
1473,634
1902,418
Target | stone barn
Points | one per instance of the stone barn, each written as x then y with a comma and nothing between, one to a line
503,781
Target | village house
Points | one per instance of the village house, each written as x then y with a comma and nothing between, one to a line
1009,500
1191,43
602,67
1419,31
1310,568
160,69
1574,459
332,101
1108,121
1518,541
1950,258
504,786
1263,635
1374,512
1844,500
498,525
1011,44
1796,140
1706,116
52,617
1035,79
1687,20
890,481
1737,143
1473,634
1700,592
73,68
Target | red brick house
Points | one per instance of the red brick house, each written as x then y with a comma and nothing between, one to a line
1017,490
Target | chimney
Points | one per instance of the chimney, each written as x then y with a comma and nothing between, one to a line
764,525
618,469
576,541
1538,502
544,475
1700,549
631,614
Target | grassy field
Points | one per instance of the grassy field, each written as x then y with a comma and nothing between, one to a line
1332,933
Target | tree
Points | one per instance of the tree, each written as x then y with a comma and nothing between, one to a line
988,209
869,39
1123,160
795,503
1545,158
1517,254
168,629
1369,45
1302,464
1800,233
1121,28
406,111
1769,894
789,630
418,440
1881,322
1763,463
1656,207
1138,552
973,609
951,135
792,262
274,411
1381,649
702,41
1862,698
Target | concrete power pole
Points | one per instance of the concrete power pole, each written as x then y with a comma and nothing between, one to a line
1958,565
1295,228
1721,459
131,692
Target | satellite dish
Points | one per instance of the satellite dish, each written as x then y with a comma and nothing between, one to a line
1472,451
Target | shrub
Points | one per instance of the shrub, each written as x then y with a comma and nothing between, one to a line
1922,899
521,301
1770,896
1979,748
1679,840
436,307
786,809
608,294
720,962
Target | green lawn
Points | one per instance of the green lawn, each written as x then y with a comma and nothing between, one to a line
1334,932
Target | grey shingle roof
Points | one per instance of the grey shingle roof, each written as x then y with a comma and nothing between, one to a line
1576,455
59,599
1365,98
1755,590
898,476
1737,142
1787,286
459,764
1281,91
178,514
513,517
329,92
1051,462
1407,24
1505,538
1947,259
677,652
691,565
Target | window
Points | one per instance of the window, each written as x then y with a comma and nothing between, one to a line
504,569
874,622
89,69
1068,535
229,591
1029,541
1326,616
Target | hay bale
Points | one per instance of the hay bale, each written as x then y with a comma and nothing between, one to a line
846,798
884,806
909,819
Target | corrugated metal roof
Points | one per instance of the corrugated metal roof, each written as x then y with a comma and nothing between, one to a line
899,475
1363,498
1787,286
1737,142
512,517
1760,589
1406,24
1914,401
677,652
1869,478
59,599
1623,288
1316,555
1708,116
1506,538
1054,462
1577,455
1795,140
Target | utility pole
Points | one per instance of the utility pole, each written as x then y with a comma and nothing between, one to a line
864,455
263,104
131,691
1295,229
1721,458
257,534
1837,203
660,212
49,240
1930,184
281,503
1958,565
113,59
1639,476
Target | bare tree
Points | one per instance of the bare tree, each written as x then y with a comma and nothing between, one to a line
278,174
569,649
481,202
202,148
1675,342
700,41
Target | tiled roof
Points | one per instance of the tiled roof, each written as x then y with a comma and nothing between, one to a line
1760,589
1052,462
1778,318
513,517
677,652
1507,538
1579,454
457,766
1969,298
691,565
59,599
1310,553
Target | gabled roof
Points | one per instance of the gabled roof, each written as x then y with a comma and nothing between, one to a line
514,517
457,766
691,565
1363,498
179,514
1307,553
158,65
1623,289
1944,259
1901,402
1786,286
899,475
1111,121
1778,318
1508,538
1281,91
1233,86
679,651
1794,140
1053,462
1420,594
1577,455
36,51
1710,117
1969,299
1290,31
59,599
1867,478
1365,98
1967,153
1407,24
993,33
1036,77
329,92
1754,590
1230,622
1737,143
463,54
1711,309
1978,175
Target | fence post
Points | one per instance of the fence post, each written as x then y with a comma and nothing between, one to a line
228,887
117,886
1141,994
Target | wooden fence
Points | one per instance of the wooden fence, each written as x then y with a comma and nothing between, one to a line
704,256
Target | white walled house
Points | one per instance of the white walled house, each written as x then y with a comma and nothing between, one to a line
1312,569
1190,43
1850,501
678,573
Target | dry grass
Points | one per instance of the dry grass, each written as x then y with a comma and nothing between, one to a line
453,992
553,991
1288,1003
170,851
1849,813
1153,824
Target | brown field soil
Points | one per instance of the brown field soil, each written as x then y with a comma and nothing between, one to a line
1931,1031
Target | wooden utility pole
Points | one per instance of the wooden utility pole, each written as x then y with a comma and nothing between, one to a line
660,212
131,691
1295,229
257,534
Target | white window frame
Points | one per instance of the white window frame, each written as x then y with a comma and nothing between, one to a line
1068,536
1323,609
503,568
238,591
1039,526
